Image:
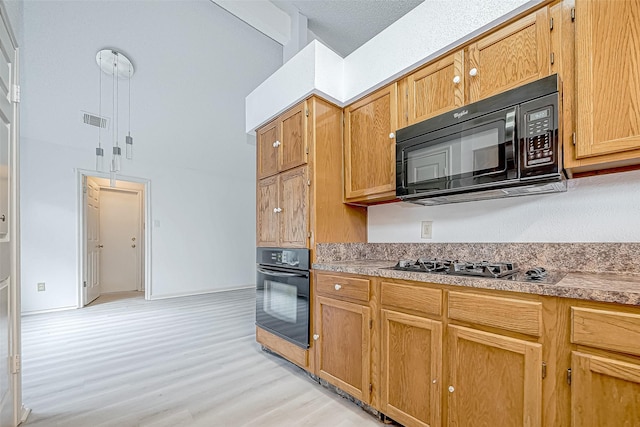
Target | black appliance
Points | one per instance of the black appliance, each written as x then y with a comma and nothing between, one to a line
282,297
495,270
506,145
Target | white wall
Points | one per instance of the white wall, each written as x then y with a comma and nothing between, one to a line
595,209
195,63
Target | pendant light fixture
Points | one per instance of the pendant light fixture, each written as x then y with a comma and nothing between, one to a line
119,67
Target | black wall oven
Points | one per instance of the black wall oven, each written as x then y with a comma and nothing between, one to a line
282,297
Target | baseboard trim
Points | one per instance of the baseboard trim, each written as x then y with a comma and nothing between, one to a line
210,291
49,310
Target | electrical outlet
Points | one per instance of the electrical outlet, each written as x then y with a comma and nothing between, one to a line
41,287
427,227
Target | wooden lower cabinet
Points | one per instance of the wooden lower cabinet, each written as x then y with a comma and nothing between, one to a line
605,392
343,337
412,369
495,380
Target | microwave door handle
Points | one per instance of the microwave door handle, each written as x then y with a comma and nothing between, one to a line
279,274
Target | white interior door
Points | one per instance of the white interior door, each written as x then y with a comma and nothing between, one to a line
9,297
93,244
120,224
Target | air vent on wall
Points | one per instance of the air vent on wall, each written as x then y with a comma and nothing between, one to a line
95,120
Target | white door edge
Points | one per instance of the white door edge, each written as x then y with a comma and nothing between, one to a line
146,215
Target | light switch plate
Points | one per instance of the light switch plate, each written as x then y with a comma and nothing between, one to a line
427,227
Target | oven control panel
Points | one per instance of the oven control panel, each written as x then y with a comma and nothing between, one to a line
538,128
280,257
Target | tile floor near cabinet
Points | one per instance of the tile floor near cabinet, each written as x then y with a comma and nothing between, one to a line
190,361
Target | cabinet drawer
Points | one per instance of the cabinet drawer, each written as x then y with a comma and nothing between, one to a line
343,287
607,330
416,298
504,313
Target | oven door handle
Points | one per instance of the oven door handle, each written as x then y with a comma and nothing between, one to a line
279,274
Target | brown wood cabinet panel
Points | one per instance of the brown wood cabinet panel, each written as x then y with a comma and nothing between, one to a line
494,380
436,88
415,298
510,314
343,345
412,365
267,219
516,54
369,145
293,148
284,348
607,64
604,392
608,330
343,287
294,202
267,150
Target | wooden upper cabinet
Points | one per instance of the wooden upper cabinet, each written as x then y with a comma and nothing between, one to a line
436,88
369,146
267,219
282,143
607,64
494,380
293,143
517,54
267,150
294,208
282,214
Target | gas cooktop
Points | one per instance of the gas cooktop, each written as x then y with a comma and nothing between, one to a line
496,270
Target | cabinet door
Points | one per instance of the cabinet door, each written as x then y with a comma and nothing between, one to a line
436,88
294,205
267,218
293,148
607,67
495,380
369,150
510,57
412,369
604,392
267,141
343,345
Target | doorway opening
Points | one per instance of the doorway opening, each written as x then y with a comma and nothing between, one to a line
114,237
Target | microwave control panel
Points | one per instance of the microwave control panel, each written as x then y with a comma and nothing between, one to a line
539,144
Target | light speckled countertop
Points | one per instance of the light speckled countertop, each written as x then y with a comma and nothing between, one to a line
602,287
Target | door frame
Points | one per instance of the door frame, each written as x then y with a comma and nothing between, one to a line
83,174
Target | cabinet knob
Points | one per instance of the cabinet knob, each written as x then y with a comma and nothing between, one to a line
434,381
337,286
315,337
456,80
276,144
451,389
392,135
277,210
473,72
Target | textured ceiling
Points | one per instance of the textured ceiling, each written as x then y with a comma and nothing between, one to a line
345,25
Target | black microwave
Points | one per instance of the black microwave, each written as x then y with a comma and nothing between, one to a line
506,145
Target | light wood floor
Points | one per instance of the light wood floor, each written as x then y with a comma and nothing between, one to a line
189,361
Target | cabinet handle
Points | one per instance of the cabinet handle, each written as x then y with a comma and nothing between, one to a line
392,135
456,80
276,144
337,286
473,72
434,381
277,210
451,389
315,337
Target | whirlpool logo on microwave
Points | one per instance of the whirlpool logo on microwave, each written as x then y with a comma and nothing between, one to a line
460,114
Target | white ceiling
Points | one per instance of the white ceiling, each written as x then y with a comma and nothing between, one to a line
345,25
